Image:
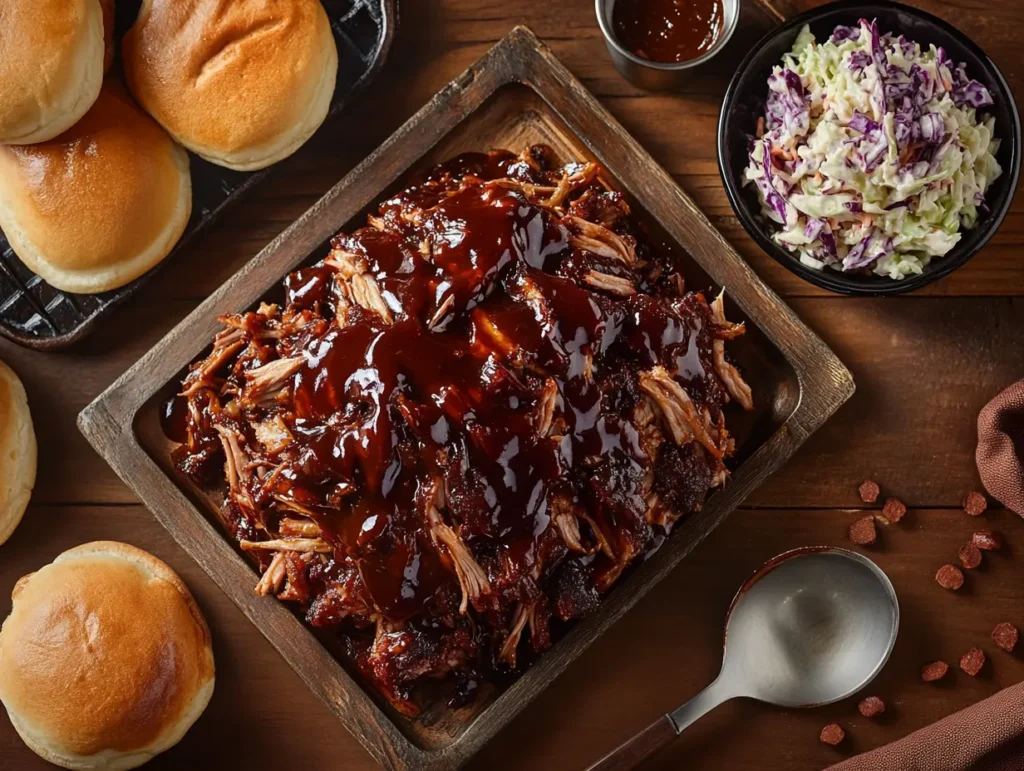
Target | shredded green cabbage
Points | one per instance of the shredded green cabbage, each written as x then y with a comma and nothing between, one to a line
873,155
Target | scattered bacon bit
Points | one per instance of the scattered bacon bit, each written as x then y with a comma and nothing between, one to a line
950,577
970,556
972,661
933,671
832,734
894,509
975,504
863,531
1005,636
987,540
872,706
869,491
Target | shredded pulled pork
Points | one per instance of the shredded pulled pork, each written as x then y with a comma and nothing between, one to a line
473,415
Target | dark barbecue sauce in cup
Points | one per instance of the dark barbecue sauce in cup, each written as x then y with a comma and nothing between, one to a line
668,31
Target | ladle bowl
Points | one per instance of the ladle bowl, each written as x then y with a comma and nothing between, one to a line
810,627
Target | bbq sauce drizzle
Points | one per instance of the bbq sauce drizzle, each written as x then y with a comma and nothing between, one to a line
489,307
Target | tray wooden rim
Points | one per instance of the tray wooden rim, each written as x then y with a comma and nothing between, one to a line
108,422
389,24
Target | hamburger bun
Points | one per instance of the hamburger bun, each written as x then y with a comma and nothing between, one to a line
105,660
241,83
51,69
99,205
17,452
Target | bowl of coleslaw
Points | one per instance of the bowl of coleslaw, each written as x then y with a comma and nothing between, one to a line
870,148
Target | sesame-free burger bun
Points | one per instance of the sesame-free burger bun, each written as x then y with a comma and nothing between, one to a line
17,452
105,660
242,83
102,203
51,66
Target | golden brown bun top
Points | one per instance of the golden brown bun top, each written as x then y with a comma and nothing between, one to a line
38,39
116,169
104,649
226,75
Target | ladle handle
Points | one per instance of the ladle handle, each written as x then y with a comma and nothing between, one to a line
666,728
635,751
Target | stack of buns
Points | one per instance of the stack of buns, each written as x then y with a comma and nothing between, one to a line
105,659
95,188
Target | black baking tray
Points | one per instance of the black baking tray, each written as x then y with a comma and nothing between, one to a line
36,315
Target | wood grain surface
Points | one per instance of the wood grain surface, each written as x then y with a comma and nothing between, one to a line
924,365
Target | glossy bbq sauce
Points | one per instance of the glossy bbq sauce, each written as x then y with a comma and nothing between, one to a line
667,30
174,419
381,411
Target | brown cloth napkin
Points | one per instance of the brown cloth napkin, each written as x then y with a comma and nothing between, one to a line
1000,454
986,737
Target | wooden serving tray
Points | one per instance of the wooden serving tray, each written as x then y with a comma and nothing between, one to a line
517,94
37,315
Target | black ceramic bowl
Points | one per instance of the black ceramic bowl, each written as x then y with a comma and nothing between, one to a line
744,103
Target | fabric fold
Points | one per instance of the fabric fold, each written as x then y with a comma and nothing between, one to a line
988,736
1000,454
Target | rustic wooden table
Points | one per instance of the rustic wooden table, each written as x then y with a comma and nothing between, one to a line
924,366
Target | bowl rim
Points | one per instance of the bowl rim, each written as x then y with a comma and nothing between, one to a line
729,27
836,281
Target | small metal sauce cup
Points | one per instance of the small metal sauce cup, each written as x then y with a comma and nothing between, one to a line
660,76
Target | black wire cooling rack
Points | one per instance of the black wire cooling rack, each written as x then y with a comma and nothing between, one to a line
36,315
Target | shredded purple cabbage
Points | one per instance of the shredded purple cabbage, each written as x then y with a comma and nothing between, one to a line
787,103
857,61
855,257
877,51
842,33
933,128
967,92
974,94
908,130
923,85
859,257
828,242
771,195
940,153
813,229
862,123
874,147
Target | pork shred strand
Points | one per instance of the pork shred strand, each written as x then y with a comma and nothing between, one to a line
442,438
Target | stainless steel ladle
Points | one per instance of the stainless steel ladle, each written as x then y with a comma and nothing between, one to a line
811,627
